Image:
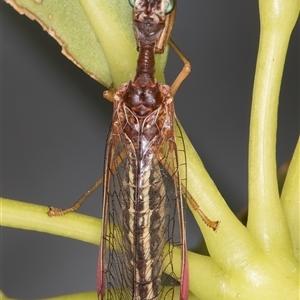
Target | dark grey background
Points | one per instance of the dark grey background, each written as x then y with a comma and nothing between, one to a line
54,125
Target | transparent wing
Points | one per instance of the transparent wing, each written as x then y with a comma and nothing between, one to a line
128,182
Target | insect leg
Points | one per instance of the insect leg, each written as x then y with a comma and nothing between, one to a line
109,94
212,224
185,70
55,212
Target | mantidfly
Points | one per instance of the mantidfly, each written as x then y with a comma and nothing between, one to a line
143,210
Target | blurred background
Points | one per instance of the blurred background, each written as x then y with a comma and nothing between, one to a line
55,121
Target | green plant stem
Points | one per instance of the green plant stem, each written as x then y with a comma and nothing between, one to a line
290,199
28,216
266,220
231,233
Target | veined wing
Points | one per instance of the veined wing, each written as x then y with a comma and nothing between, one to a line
143,217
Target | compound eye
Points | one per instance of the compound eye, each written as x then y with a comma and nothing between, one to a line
168,5
131,2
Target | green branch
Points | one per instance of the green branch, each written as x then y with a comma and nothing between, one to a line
17,214
277,22
290,199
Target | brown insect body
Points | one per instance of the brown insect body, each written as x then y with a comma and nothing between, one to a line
143,216
143,211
